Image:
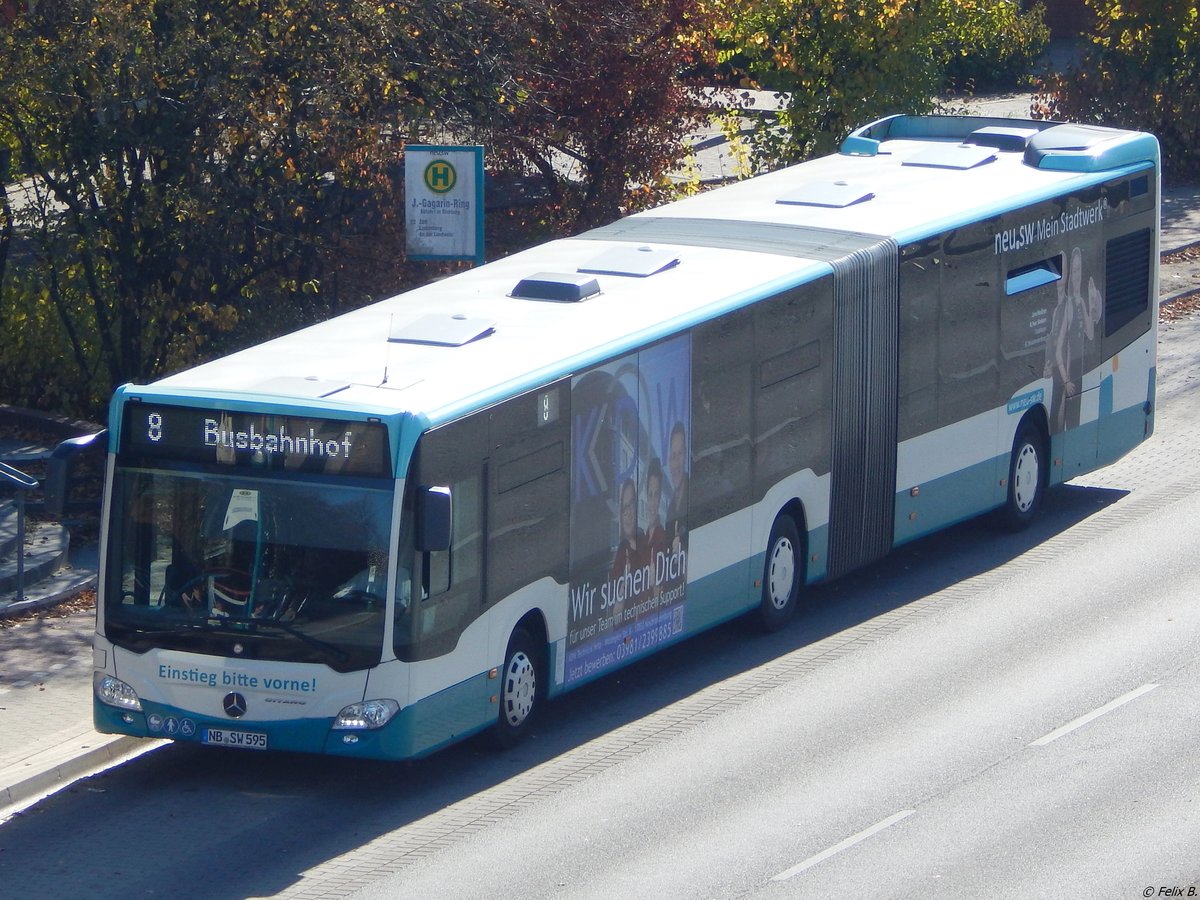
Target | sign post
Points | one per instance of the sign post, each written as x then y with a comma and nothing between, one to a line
443,199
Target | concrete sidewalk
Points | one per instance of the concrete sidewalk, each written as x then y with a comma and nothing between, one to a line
46,735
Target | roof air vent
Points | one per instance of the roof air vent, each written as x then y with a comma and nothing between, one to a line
952,156
309,386
836,194
1001,137
638,262
558,288
442,331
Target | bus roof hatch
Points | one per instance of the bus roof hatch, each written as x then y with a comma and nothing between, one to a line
952,156
637,262
836,194
442,330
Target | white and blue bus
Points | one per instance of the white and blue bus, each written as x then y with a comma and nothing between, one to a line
421,519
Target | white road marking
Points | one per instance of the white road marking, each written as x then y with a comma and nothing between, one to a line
844,845
1094,714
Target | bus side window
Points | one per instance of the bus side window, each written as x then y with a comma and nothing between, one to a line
969,322
438,580
448,583
920,291
722,391
793,383
529,487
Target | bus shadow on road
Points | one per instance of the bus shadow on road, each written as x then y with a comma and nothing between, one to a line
909,574
949,558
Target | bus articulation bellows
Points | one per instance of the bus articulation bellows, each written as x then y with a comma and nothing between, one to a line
420,520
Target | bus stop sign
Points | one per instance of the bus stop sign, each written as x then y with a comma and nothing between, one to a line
443,198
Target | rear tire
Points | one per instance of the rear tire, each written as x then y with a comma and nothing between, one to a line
783,573
1028,475
522,686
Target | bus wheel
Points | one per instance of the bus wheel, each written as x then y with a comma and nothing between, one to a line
1028,474
520,689
782,574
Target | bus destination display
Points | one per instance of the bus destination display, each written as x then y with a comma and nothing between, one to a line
255,440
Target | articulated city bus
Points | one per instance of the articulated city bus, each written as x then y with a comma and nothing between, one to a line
420,520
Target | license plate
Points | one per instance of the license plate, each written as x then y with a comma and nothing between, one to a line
252,740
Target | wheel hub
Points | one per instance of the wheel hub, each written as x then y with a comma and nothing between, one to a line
520,686
1025,478
781,573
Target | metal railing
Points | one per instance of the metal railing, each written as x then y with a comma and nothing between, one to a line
23,484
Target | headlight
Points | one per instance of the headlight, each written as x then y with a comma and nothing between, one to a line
115,692
366,716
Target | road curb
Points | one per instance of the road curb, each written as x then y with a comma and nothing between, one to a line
1186,294
44,772
86,582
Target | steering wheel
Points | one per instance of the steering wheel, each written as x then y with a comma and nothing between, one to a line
357,597
221,583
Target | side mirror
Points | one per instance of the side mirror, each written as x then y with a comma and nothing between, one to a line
60,472
433,519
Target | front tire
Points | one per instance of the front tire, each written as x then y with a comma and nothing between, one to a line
783,573
522,687
1028,475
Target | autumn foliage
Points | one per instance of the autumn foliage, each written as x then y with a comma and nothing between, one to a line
202,174
597,109
193,176
191,166
839,63
1140,69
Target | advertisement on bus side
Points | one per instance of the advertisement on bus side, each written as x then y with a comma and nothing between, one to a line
631,429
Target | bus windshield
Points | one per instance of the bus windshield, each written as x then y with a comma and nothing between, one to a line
249,567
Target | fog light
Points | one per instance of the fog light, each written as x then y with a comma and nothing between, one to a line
366,716
115,692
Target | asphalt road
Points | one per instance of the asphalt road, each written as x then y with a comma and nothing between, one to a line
981,714
949,759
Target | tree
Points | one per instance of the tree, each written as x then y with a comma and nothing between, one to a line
203,166
6,212
596,106
1139,69
991,44
836,64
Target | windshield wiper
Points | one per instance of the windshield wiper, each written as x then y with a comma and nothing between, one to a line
338,652
238,628
161,630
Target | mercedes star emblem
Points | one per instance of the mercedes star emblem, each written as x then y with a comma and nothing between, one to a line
235,705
